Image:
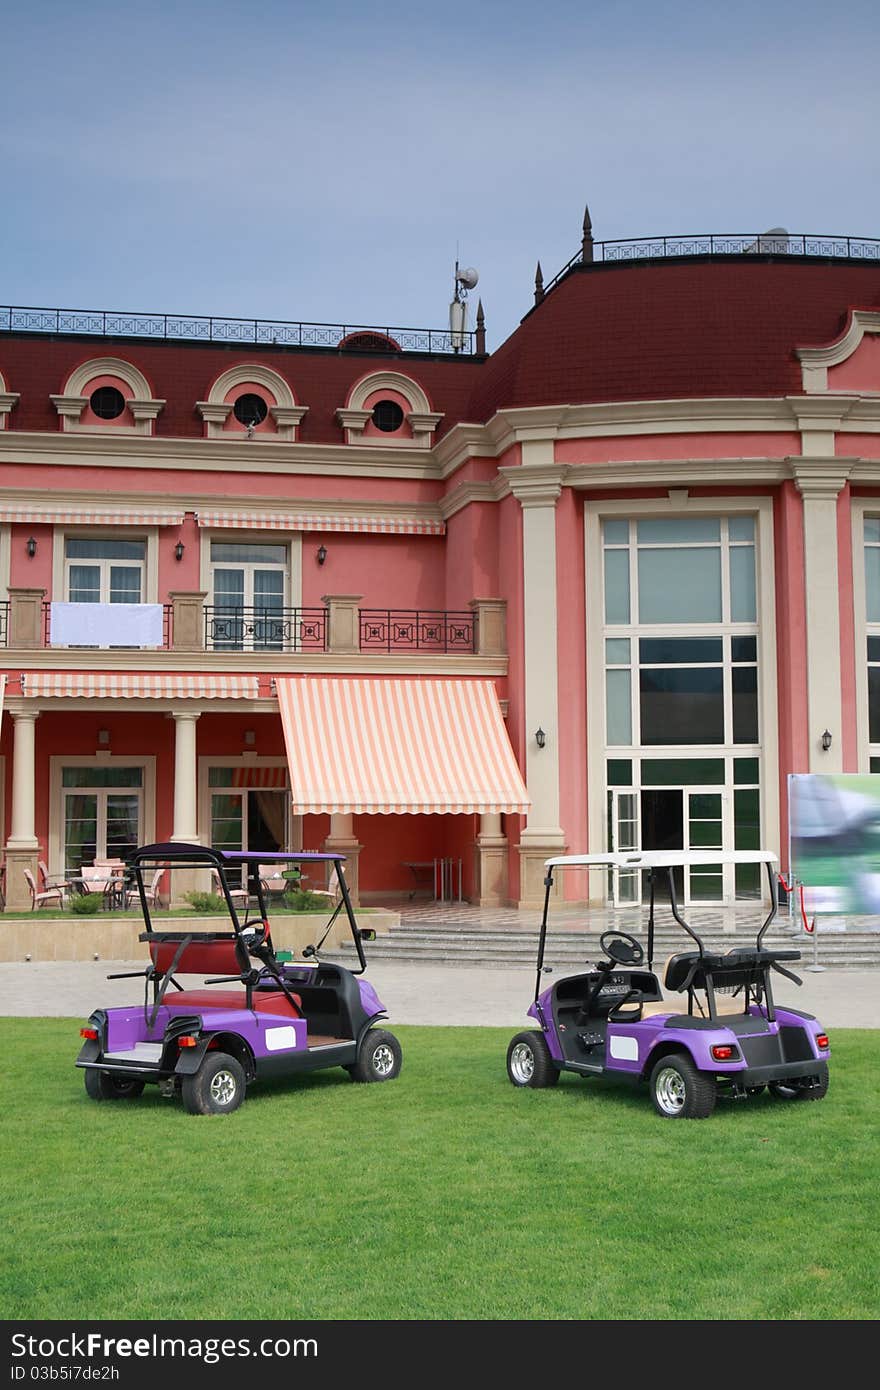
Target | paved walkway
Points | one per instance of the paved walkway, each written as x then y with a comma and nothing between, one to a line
412,993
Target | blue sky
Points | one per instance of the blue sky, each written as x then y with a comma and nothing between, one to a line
325,161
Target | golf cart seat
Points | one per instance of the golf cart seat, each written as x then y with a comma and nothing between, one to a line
217,954
675,972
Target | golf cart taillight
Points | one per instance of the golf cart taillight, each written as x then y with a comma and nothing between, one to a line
187,1040
723,1052
822,1040
92,1034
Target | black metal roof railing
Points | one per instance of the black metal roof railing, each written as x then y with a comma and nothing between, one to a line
113,323
773,243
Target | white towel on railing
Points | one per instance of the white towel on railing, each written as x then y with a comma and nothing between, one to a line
105,625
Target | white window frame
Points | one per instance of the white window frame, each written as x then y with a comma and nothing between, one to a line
150,536
638,509
147,764
862,507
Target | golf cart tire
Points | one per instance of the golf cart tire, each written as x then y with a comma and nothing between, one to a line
679,1091
100,1085
529,1062
816,1090
379,1058
217,1088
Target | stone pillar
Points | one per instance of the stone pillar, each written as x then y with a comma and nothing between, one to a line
22,848
819,482
490,869
185,827
490,615
537,484
343,622
187,622
25,617
341,840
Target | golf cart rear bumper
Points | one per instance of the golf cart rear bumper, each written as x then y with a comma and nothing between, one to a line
780,1071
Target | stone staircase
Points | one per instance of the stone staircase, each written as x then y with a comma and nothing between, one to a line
459,935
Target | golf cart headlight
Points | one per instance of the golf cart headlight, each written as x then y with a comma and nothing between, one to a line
724,1052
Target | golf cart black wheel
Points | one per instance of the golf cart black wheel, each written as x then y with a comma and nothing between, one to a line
100,1085
808,1090
217,1087
529,1062
379,1059
681,1092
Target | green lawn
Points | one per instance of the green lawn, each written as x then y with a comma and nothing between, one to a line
444,1195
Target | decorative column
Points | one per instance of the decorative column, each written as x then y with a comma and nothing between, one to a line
343,622
342,840
819,481
25,617
185,824
490,869
537,484
22,847
187,622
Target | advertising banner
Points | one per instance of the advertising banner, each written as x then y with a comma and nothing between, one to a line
835,841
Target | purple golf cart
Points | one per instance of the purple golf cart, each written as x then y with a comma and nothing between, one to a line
716,1032
284,1017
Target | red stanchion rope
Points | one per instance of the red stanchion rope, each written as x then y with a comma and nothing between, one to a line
809,927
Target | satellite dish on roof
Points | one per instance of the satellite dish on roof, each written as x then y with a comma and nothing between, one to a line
467,277
464,280
768,243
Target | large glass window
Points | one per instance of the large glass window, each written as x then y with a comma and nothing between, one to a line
103,814
104,570
250,585
681,673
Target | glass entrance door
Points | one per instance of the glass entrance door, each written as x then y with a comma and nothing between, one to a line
624,825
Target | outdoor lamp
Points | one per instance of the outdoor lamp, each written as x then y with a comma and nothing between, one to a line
826,741
540,737
322,554
31,547
178,550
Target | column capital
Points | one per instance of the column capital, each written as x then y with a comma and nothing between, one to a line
535,485
182,715
820,478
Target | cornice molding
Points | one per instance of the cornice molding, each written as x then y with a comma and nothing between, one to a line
820,479
224,663
535,485
677,473
7,401
815,361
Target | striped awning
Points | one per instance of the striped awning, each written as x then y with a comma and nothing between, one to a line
108,685
314,521
90,516
420,747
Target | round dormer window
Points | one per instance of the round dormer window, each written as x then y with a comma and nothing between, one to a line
107,403
250,409
387,416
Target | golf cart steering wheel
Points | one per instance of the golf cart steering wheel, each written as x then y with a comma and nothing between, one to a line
622,948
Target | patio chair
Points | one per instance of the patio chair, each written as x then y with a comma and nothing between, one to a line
48,880
48,898
241,896
273,880
151,891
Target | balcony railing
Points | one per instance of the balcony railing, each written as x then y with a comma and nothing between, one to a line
229,629
397,629
121,323
773,243
166,628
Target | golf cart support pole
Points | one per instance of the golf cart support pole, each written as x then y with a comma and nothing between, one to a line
548,884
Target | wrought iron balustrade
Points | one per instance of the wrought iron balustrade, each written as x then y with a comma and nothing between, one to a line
399,629
772,243
112,323
251,629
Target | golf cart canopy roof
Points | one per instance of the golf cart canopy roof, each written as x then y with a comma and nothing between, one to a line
177,852
661,858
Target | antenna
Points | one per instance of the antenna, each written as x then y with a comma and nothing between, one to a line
465,279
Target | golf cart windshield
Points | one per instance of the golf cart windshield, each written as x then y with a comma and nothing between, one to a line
660,865
227,865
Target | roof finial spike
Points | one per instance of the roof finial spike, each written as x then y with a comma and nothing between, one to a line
480,337
539,284
587,241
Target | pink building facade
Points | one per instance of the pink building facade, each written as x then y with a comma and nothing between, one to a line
650,521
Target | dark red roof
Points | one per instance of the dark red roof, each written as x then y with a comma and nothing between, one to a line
181,374
673,329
